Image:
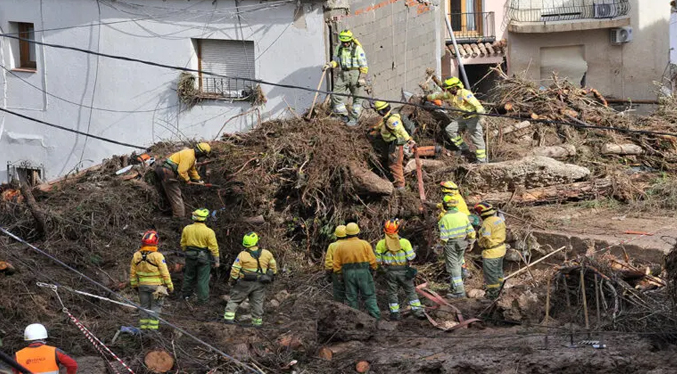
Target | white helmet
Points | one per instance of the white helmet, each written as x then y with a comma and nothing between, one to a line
35,331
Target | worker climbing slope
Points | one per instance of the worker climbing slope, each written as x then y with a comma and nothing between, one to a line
40,358
150,276
395,137
492,241
457,234
338,288
177,168
199,244
351,79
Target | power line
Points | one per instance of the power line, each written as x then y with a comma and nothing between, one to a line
138,307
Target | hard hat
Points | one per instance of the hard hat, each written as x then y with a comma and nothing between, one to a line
450,202
150,237
437,102
448,187
452,82
35,331
392,226
380,105
200,215
352,229
340,231
203,149
484,209
250,240
346,36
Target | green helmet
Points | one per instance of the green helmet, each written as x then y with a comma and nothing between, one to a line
200,215
452,82
346,36
250,240
450,201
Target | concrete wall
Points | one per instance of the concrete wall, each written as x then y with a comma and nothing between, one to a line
400,37
625,71
138,103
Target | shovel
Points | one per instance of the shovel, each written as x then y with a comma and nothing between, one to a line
310,112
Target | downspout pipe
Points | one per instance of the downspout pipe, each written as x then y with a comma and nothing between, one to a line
464,76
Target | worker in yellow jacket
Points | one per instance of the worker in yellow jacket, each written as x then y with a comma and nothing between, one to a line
253,269
177,168
463,100
450,188
149,274
455,233
492,241
202,251
395,136
338,288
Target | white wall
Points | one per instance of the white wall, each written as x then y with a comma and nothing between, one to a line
141,102
673,37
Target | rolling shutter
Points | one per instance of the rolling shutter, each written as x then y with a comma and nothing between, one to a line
233,58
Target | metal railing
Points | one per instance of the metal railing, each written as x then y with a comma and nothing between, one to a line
473,26
228,88
566,10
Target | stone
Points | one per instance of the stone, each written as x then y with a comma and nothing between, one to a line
274,303
476,293
282,296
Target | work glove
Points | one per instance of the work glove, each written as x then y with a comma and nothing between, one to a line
326,66
170,288
160,292
361,82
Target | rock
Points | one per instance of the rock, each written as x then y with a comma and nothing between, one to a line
476,293
282,296
520,304
362,367
529,172
339,322
555,151
274,303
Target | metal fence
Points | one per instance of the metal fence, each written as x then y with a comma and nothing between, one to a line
473,26
566,10
228,88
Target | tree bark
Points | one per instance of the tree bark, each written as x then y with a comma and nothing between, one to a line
40,222
572,191
369,182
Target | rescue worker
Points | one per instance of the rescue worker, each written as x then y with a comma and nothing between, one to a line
351,79
492,241
338,289
253,269
199,244
393,254
450,188
40,358
180,167
353,260
395,136
149,274
461,99
455,231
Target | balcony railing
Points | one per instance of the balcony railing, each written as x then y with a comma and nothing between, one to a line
566,10
474,27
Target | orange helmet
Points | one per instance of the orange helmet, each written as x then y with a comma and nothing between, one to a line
151,238
392,226
484,209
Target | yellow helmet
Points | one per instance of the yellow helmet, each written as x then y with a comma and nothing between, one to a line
450,202
352,229
340,231
452,82
250,240
346,36
203,149
448,187
200,215
380,105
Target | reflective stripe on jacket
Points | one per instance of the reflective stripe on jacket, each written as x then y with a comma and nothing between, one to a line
246,263
392,129
329,259
351,58
463,100
492,237
455,225
198,235
354,251
185,164
149,272
390,258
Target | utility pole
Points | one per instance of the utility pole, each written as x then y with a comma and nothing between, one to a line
464,76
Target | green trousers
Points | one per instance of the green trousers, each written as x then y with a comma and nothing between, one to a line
474,127
359,280
346,83
338,288
147,301
493,276
196,271
454,249
397,279
255,291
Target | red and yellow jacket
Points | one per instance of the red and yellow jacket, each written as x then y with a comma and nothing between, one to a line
151,270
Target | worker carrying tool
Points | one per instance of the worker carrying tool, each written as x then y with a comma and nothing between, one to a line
492,241
253,269
40,358
351,79
461,99
457,234
199,244
393,255
149,274
354,261
395,137
338,288
177,168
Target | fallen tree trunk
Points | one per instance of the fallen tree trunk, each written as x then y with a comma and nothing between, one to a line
555,151
367,181
37,213
572,191
425,164
512,128
621,149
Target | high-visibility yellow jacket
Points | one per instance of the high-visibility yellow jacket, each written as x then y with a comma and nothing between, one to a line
329,259
455,225
351,58
463,100
354,251
198,235
492,237
462,206
245,263
183,164
386,256
392,129
151,271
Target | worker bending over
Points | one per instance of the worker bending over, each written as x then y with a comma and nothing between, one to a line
492,241
199,244
456,233
395,136
40,358
338,288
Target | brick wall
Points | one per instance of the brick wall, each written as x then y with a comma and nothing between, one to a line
400,37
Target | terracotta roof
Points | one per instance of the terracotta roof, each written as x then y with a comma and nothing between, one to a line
470,50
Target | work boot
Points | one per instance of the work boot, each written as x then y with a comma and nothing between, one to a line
229,321
419,314
395,316
480,161
456,295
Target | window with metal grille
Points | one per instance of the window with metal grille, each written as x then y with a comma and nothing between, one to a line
230,58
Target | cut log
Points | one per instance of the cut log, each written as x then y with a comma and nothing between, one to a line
555,151
512,128
40,221
621,149
159,361
572,191
367,181
425,164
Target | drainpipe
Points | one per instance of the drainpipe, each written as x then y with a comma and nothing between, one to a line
458,55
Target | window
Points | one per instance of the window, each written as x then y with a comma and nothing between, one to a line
232,58
25,173
23,50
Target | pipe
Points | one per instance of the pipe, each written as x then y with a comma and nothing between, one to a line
464,76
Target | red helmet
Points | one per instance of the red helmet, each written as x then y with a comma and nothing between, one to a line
484,209
150,238
392,226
